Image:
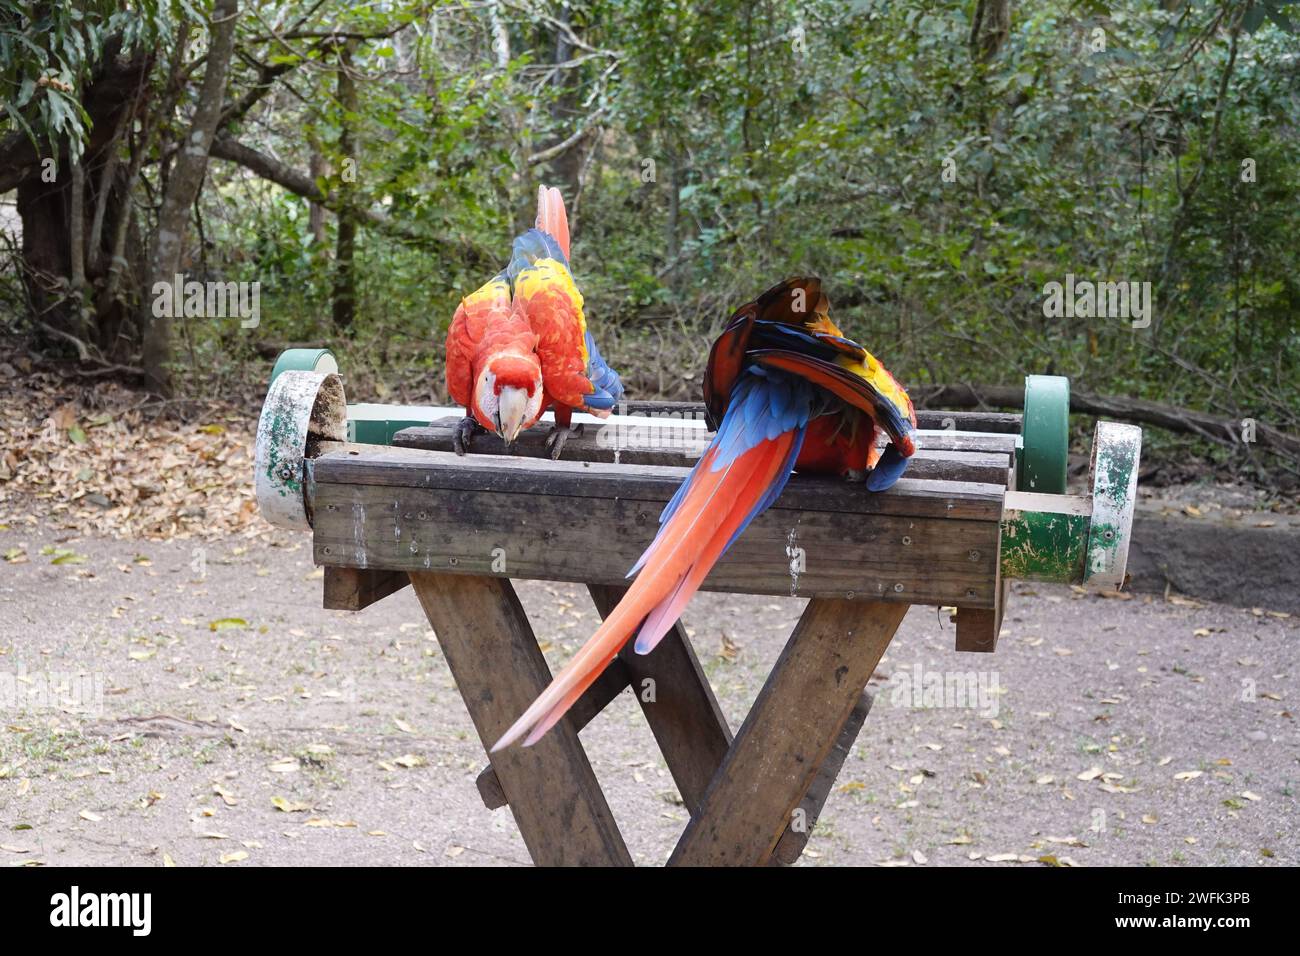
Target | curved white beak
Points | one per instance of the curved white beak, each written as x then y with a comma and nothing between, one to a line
511,409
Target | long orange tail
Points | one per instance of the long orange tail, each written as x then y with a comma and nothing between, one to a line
551,217
716,505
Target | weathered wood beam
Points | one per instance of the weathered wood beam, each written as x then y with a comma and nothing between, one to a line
568,537
552,791
413,468
797,834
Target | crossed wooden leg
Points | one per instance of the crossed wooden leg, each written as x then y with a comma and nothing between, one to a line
784,742
499,670
753,801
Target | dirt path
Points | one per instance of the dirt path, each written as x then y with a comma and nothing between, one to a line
307,736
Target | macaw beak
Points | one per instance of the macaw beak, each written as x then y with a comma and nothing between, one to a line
511,409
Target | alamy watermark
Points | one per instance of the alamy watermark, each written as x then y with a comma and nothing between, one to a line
74,908
208,300
1085,299
927,688
657,433
81,692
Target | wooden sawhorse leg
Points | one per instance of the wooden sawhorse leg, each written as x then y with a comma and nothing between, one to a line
499,670
799,715
753,800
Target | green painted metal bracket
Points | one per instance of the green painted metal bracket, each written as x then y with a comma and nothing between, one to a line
1045,431
1044,536
305,360
1077,539
373,424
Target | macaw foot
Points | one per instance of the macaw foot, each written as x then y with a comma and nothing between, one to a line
855,474
464,433
559,435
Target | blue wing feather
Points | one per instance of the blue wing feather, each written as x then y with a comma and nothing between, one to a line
608,386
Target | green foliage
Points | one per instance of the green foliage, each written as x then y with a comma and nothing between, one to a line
936,189
48,52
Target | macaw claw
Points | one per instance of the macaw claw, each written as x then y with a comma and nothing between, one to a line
559,436
464,433
856,475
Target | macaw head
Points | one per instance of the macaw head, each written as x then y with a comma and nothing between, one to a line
508,394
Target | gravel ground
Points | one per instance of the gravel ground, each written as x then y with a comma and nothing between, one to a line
224,717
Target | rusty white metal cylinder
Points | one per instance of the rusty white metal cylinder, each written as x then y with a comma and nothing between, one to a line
302,409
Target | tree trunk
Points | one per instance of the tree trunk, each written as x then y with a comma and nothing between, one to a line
182,187
989,29
45,199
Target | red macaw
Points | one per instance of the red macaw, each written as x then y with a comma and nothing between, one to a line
492,365
574,374
784,390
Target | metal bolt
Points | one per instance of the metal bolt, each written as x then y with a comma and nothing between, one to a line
286,472
327,550
973,554
898,587
453,561
907,539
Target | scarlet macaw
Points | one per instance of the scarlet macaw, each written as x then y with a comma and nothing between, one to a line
509,359
492,365
785,390
574,374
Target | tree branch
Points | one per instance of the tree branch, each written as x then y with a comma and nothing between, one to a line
1216,428
300,184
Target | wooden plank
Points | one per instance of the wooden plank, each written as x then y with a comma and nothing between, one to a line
612,682
499,670
789,733
351,589
1001,422
666,443
594,540
1006,423
658,442
414,468
967,441
690,440
796,835
683,714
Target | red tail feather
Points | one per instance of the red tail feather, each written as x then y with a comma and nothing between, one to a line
551,216
675,566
